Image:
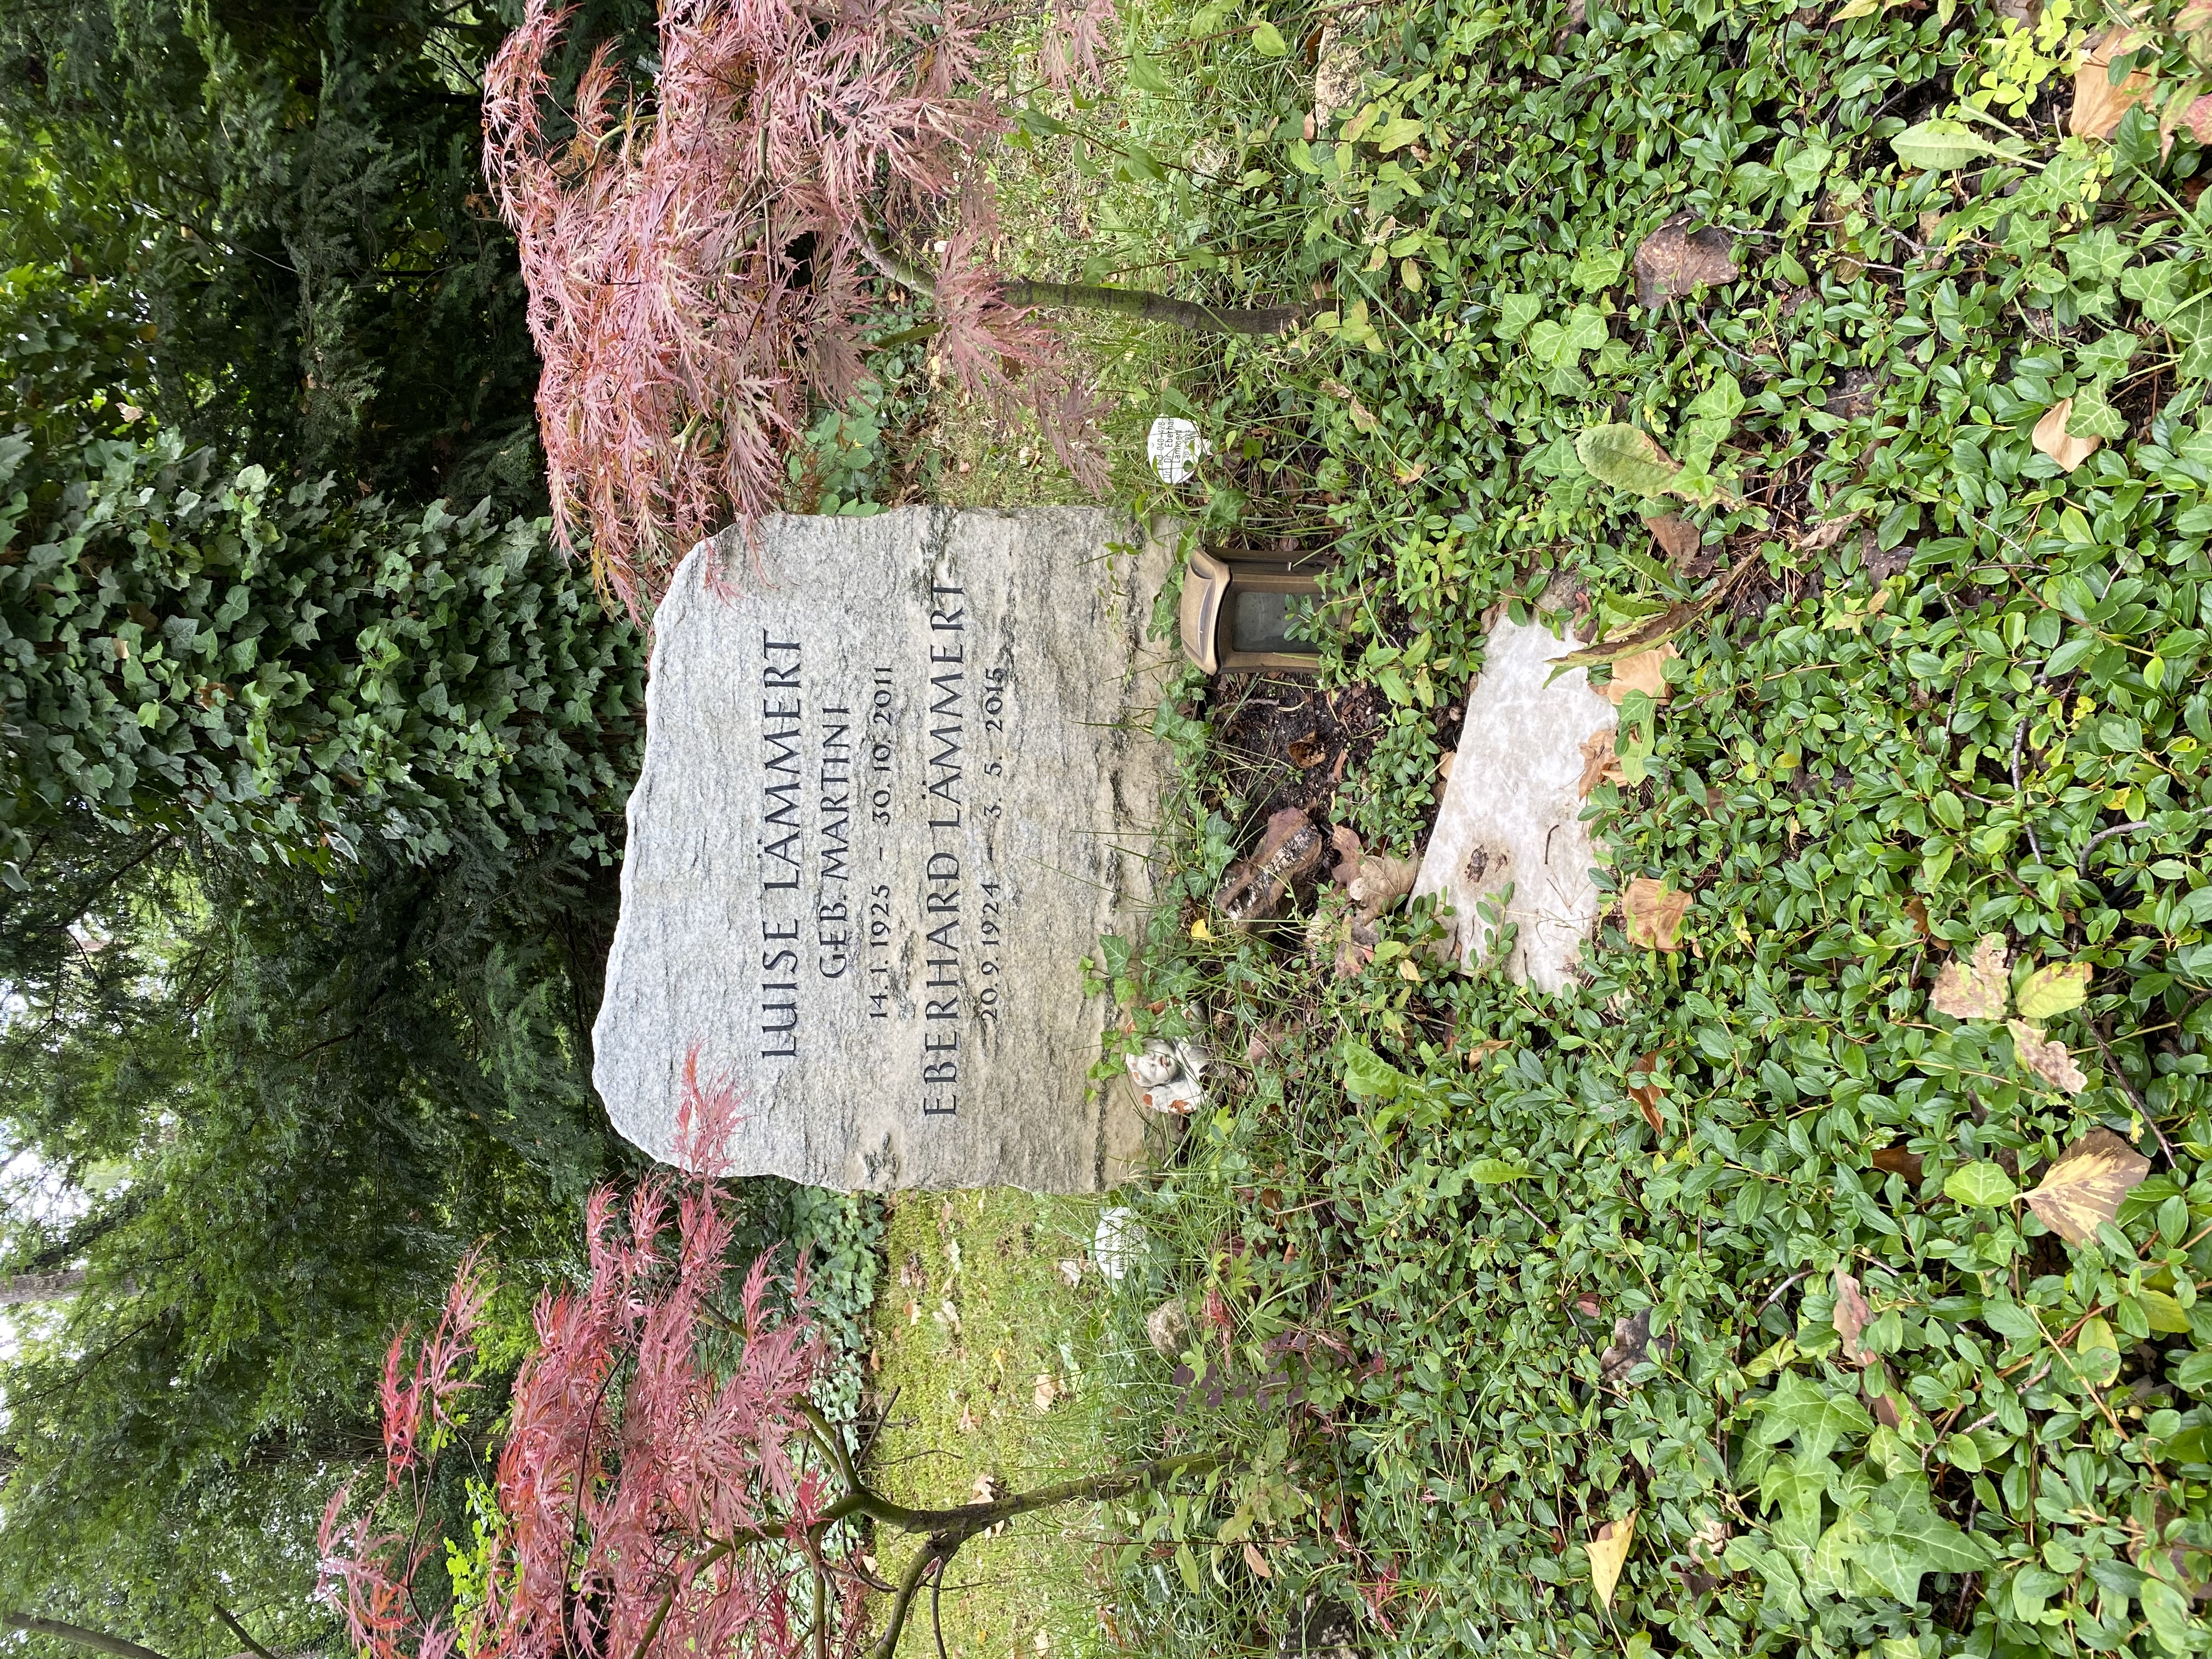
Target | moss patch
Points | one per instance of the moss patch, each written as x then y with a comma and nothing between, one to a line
991,1353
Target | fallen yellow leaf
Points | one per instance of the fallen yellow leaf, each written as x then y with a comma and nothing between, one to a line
1653,912
2048,1060
1977,989
1608,1553
2086,1185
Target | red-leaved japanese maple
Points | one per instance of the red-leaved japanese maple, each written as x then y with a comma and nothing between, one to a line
667,1486
700,261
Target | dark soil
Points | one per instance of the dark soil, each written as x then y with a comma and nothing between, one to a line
1285,742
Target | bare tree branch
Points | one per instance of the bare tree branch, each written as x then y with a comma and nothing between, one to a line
99,1641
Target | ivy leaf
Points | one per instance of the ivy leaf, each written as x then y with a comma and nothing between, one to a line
1724,400
1627,459
2093,417
2054,990
1901,1537
1797,1483
1367,1075
1807,1414
1550,343
1546,340
1939,145
2107,357
2084,1187
1981,1186
1516,311
1977,988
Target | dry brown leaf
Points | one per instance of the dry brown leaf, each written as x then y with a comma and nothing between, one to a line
1361,938
1608,1553
1046,1390
2087,1184
1917,908
1645,673
1070,1269
1978,989
1709,1542
1882,1404
1670,261
1827,533
1600,762
2098,104
1653,912
1851,1317
2052,438
2048,1060
1648,1093
1678,539
1630,1347
1307,752
2198,117
1895,1160
1256,1561
1343,63
1348,855
1480,1051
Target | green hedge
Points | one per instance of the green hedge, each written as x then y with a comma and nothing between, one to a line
285,667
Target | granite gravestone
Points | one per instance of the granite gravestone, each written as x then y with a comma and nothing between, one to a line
898,779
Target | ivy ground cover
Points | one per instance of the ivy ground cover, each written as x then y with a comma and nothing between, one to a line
1822,1274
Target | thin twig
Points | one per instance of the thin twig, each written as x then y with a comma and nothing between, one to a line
2018,737
1779,1290
2104,836
2143,1112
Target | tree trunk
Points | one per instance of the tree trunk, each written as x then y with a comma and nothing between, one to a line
1153,307
1132,302
21,1289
